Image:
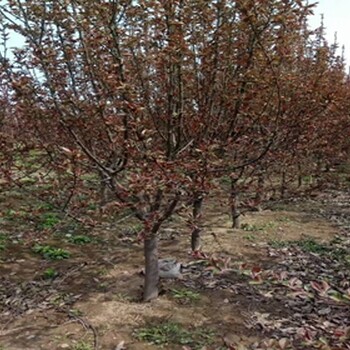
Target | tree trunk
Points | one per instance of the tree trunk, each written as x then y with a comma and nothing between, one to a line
151,268
300,176
260,190
283,184
103,194
196,240
104,189
234,204
197,214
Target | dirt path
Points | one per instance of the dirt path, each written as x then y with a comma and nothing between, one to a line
280,282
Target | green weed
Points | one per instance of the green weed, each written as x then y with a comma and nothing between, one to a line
11,214
173,333
103,286
51,253
251,227
3,237
92,206
276,244
89,177
123,297
283,219
250,237
254,228
76,312
225,180
3,240
103,272
50,273
28,181
49,220
45,206
186,295
308,179
80,239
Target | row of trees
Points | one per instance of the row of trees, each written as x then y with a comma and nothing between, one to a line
160,98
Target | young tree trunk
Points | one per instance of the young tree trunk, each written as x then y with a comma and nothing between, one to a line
104,189
234,204
103,194
283,184
197,214
318,174
260,190
300,176
151,268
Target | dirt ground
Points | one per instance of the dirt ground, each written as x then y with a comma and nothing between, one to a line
279,282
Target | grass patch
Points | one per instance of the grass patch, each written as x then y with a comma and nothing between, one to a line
45,206
185,295
283,219
174,333
255,228
48,221
122,297
310,245
82,345
51,253
276,244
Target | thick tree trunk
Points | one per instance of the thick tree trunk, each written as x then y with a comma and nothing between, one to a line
234,204
197,214
151,268
151,248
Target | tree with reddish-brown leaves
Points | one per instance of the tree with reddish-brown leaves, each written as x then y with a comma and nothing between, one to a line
155,97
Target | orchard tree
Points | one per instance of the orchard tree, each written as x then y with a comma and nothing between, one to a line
157,98
315,97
